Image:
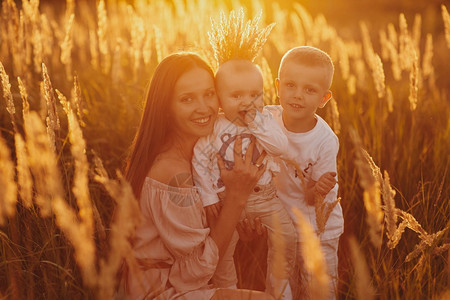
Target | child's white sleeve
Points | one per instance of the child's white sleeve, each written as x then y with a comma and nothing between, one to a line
327,158
269,133
205,170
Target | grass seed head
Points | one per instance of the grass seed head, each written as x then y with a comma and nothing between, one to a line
24,180
8,186
364,287
231,38
446,19
313,259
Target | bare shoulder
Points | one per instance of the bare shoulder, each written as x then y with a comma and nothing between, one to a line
172,172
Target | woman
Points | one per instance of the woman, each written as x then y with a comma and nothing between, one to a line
176,251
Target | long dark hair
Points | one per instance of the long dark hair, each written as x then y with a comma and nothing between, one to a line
155,126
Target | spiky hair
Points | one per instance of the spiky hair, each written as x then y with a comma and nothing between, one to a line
231,38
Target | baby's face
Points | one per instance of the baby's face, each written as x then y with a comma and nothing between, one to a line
240,91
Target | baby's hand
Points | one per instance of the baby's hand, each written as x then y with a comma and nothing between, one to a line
325,183
213,210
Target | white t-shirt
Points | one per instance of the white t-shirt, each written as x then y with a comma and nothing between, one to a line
315,152
206,173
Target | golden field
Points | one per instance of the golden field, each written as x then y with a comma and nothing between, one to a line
73,78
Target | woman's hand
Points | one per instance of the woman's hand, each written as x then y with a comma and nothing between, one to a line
239,183
243,177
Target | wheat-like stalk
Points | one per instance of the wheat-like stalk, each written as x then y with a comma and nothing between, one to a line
371,186
299,32
102,31
279,263
12,30
416,32
414,83
77,101
367,44
390,215
128,216
24,96
158,46
397,235
374,61
8,187
389,99
53,124
305,17
427,60
313,259
66,47
395,60
323,210
36,41
50,196
93,49
364,287
446,19
335,116
412,224
43,164
406,47
70,10
441,249
269,91
376,172
424,244
80,186
231,38
383,43
351,84
116,67
344,63
7,94
147,48
24,180
137,32
378,75
22,44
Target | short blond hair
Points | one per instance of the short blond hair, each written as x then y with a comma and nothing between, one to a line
309,56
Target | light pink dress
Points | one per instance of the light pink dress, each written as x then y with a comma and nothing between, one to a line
173,246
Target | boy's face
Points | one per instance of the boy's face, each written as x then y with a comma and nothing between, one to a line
302,89
240,92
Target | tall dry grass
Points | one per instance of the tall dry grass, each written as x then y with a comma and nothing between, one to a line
60,237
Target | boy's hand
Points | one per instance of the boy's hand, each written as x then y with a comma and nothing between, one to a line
325,183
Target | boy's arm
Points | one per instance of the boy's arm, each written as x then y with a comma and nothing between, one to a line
323,179
268,133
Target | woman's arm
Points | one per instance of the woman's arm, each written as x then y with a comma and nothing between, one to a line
239,183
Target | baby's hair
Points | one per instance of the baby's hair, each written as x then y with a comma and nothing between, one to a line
231,39
309,56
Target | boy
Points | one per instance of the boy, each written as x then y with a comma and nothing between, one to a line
239,86
304,78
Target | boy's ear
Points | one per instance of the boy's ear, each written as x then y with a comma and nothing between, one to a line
277,85
325,99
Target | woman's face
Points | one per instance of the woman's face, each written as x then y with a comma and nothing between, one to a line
194,104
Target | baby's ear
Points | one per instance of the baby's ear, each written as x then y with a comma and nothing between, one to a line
328,95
